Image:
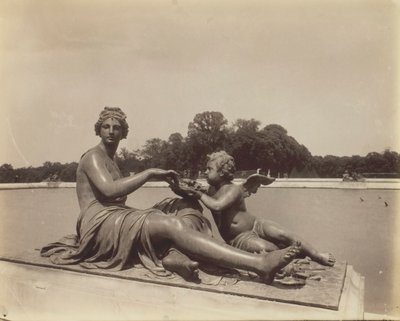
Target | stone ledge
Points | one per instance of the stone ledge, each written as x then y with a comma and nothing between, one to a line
328,289
38,292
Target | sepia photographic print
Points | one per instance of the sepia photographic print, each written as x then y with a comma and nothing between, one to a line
199,160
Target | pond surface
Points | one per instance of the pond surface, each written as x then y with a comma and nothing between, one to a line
355,225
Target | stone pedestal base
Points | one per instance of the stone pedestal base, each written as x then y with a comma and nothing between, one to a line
30,291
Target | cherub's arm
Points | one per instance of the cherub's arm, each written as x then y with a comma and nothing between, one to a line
223,201
95,168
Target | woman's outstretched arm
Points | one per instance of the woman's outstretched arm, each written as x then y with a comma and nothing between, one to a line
95,168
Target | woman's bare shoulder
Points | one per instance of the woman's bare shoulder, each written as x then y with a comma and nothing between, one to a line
91,156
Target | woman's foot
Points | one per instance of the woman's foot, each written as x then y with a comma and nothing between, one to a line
180,264
274,261
325,259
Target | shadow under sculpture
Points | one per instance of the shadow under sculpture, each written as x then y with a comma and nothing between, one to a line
111,235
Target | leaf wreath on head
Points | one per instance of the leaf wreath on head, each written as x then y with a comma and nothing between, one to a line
112,112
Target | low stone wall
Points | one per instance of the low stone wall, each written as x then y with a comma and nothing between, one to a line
333,183
337,183
36,185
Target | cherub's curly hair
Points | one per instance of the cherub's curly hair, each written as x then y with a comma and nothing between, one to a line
112,112
225,163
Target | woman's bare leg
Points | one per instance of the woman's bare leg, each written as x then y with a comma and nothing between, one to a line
195,244
174,260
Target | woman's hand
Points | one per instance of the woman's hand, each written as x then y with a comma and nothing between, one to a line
166,175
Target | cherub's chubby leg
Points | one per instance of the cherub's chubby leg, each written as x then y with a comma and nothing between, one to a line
273,232
162,228
256,244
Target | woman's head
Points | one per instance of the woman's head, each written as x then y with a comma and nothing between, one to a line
112,112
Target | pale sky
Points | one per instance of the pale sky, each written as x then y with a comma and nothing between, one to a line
327,71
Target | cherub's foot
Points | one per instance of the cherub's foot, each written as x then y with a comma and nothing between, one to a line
276,260
180,264
325,259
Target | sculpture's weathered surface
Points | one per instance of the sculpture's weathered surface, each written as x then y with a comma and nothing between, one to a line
111,235
236,225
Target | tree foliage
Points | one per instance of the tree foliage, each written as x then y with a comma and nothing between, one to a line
129,162
244,144
47,172
269,148
153,153
207,132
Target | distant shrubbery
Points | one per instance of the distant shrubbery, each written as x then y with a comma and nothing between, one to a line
48,172
268,148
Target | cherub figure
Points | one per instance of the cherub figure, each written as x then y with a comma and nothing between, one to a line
237,226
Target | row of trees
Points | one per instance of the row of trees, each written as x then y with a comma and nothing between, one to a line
269,148
48,172
386,164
